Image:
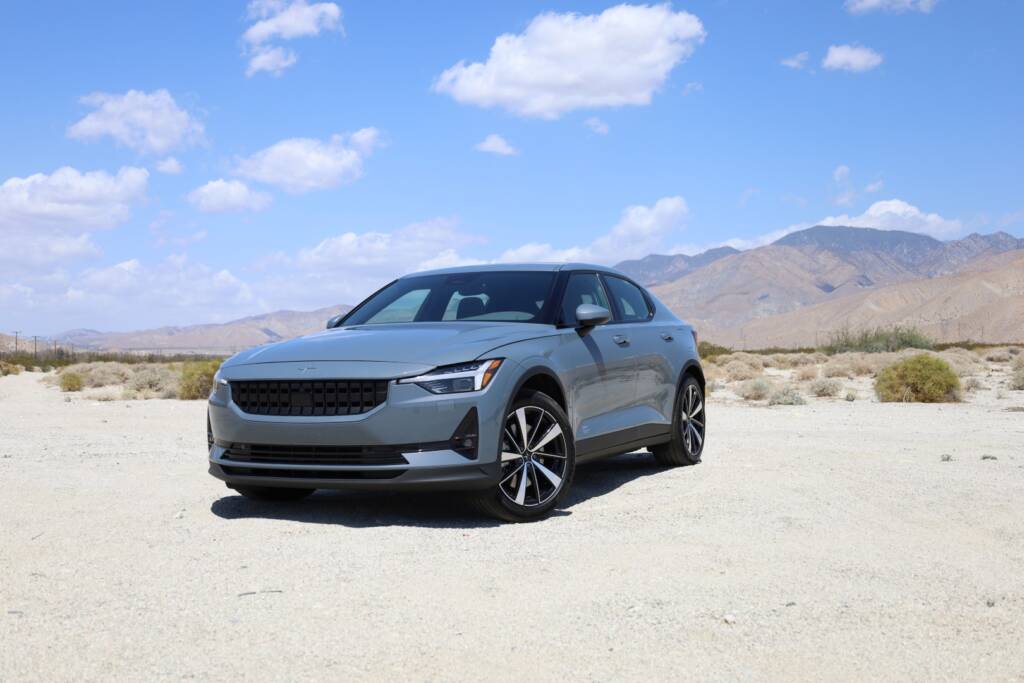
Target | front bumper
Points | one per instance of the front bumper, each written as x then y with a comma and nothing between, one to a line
410,415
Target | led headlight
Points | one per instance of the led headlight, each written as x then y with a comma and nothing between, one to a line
220,385
457,379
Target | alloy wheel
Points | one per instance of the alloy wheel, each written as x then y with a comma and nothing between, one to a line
692,420
533,457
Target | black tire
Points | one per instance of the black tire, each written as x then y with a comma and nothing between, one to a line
270,493
688,428
527,490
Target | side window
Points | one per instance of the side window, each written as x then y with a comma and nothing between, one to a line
403,309
582,288
630,300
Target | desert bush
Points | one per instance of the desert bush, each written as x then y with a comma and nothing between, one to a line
1018,363
998,356
806,373
825,387
837,368
71,381
877,340
101,374
154,381
708,350
9,369
973,384
197,379
921,379
712,386
786,396
962,361
754,390
851,395
754,361
736,370
1017,379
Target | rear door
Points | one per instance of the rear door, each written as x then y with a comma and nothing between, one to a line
599,363
648,342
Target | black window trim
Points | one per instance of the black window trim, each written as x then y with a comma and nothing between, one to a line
616,313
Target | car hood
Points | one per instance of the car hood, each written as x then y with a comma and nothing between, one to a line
421,344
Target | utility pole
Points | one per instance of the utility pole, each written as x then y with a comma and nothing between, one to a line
35,346
16,333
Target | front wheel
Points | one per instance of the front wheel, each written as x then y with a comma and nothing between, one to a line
537,461
688,428
270,493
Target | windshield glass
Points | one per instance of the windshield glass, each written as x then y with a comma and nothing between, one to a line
485,296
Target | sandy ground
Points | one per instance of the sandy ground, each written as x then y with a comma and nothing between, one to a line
826,541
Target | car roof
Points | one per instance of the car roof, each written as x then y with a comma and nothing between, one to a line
518,267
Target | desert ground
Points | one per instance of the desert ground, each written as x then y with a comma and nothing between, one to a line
836,540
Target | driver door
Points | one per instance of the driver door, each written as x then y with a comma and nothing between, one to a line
602,370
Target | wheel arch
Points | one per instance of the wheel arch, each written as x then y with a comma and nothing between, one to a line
544,379
693,369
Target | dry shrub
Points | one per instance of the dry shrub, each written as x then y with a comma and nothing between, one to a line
1018,364
154,381
104,394
712,386
754,390
786,396
998,356
806,373
962,361
750,359
9,369
825,387
1017,379
197,379
973,384
837,368
851,395
70,381
738,370
101,374
922,379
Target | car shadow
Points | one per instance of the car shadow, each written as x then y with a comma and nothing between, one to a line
362,509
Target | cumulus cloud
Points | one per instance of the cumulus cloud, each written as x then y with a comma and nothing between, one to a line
276,20
692,87
563,62
227,195
146,122
841,173
304,164
797,61
170,165
865,6
896,214
640,230
495,144
855,58
596,125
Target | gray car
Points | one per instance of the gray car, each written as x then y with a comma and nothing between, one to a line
497,380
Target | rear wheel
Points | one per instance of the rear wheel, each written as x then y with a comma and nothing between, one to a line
688,428
537,461
273,494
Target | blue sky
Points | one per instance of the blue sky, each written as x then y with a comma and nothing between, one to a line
320,149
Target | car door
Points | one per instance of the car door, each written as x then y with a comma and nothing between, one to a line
649,343
598,365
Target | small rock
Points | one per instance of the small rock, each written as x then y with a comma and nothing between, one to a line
729,619
790,604
946,457
989,457
179,514
990,602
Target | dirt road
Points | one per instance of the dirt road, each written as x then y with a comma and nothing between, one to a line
826,541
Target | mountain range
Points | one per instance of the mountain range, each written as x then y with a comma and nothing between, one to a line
792,292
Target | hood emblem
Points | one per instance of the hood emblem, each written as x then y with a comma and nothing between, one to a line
306,368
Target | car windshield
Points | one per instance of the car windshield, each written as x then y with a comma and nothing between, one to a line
495,296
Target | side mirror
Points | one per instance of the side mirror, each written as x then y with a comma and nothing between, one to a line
589,315
333,322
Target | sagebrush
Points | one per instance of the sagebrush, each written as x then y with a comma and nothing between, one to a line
919,379
197,379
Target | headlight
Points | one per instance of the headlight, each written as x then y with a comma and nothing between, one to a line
457,379
219,385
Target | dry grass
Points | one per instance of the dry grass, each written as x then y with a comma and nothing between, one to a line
71,381
753,360
1001,355
788,395
9,368
754,390
806,373
1017,379
135,381
837,367
973,384
823,388
737,371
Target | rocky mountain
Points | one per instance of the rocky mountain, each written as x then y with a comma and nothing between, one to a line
657,268
984,302
219,338
818,265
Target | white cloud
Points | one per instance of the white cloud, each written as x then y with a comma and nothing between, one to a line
640,230
146,122
305,164
874,186
692,87
853,58
841,173
865,6
597,125
280,20
227,195
797,61
495,144
47,218
896,214
563,62
170,165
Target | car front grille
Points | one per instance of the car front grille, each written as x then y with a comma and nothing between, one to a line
308,397
315,455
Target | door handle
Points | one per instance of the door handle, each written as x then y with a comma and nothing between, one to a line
667,336
621,339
